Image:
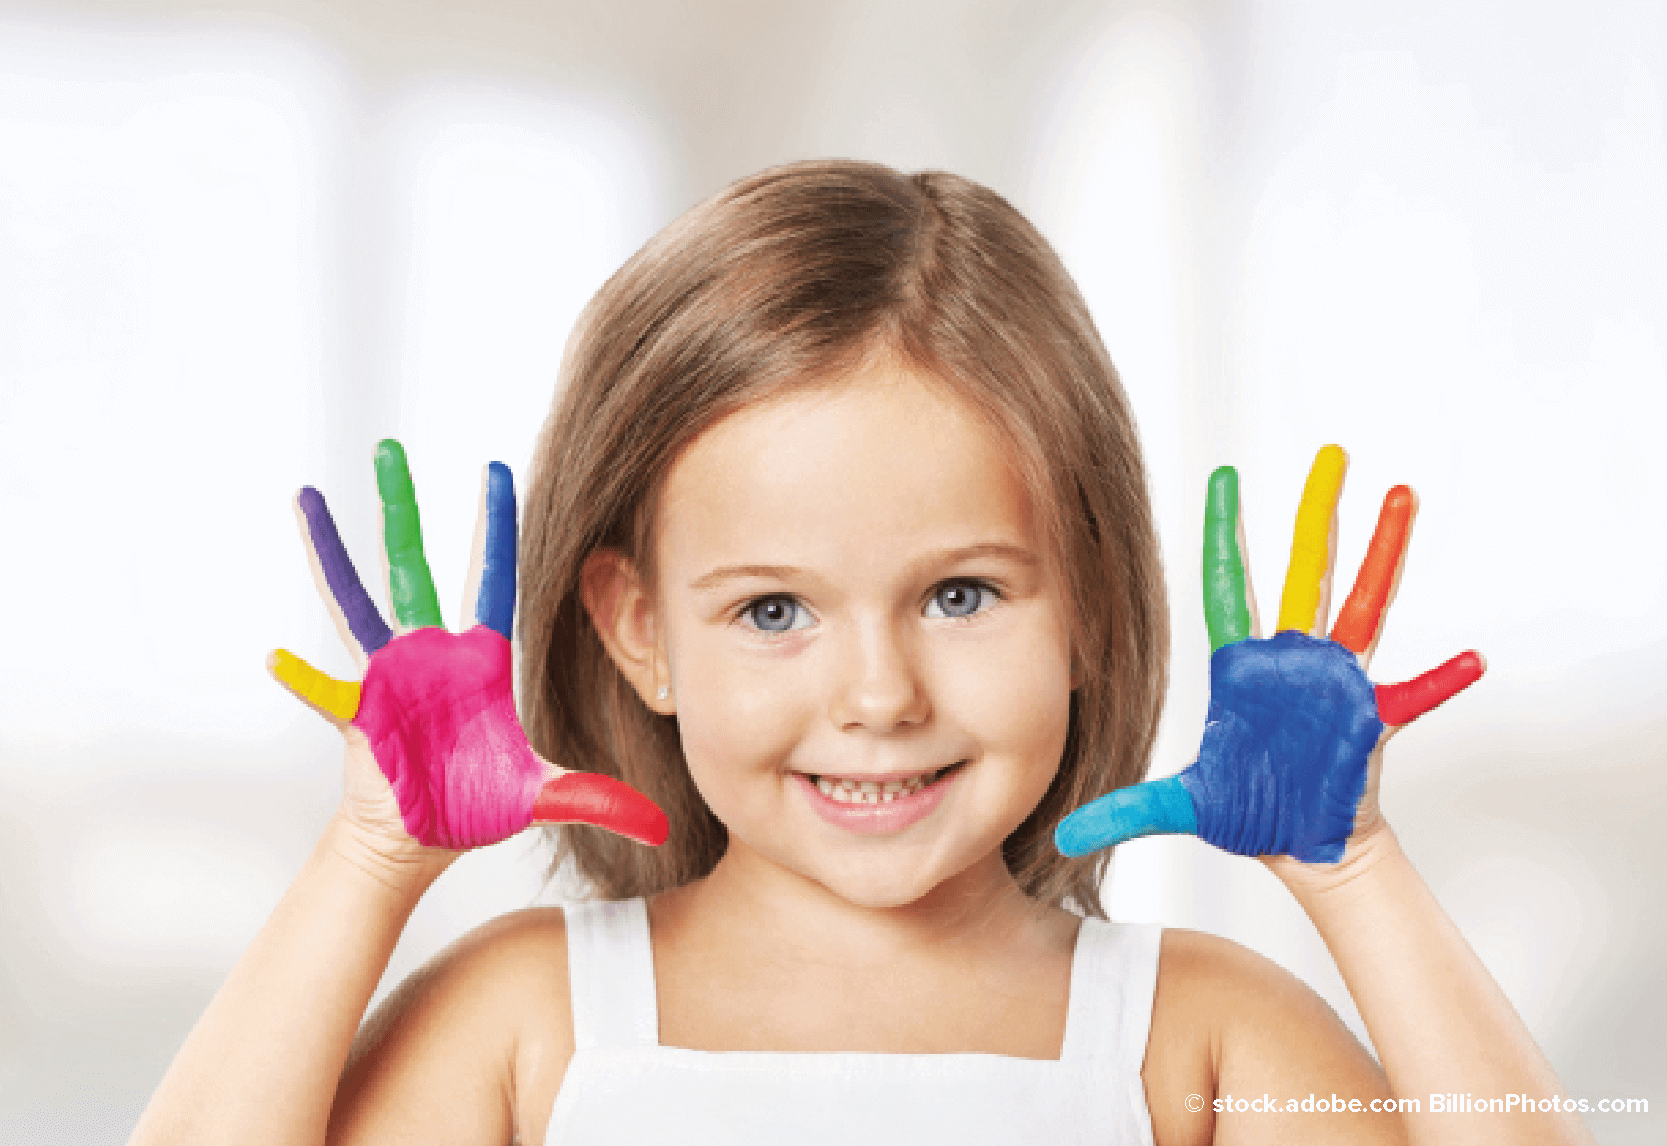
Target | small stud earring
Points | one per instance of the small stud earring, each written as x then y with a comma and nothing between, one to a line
665,691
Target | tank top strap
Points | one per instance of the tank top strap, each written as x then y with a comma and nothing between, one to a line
610,972
1114,976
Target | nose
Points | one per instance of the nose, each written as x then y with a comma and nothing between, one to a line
879,687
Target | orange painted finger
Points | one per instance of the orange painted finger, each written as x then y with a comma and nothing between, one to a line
335,698
1362,614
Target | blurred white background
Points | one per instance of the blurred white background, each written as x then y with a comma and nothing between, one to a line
241,241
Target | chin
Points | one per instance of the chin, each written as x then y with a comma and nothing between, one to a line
878,895
892,885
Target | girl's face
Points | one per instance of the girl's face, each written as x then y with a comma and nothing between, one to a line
867,645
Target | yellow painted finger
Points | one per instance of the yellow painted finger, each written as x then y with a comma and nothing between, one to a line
337,698
1310,565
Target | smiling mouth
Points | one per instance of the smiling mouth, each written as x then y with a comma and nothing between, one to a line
854,790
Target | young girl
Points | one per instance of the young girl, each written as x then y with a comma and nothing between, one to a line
838,550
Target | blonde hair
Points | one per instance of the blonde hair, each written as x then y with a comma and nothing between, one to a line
785,280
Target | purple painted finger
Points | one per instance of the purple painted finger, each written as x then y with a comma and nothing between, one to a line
360,612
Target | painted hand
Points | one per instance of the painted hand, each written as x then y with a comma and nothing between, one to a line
438,708
1290,747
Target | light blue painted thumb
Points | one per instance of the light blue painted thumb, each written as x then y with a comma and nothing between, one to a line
1158,807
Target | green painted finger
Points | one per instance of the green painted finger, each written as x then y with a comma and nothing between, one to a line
410,587
1226,606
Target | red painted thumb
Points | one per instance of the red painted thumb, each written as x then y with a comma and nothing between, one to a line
587,798
1400,704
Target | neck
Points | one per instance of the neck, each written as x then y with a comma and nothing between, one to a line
980,907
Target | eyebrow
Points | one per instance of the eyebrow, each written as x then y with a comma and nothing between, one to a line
1000,550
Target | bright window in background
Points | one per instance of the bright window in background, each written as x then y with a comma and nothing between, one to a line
226,267
1433,234
1451,260
163,278
1116,184
514,207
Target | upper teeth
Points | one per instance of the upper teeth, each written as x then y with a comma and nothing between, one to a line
849,791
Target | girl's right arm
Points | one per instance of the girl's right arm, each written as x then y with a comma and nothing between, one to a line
470,1049
263,1063
436,762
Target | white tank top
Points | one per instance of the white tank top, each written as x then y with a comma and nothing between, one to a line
623,1088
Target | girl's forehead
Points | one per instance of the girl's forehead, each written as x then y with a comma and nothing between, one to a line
883,457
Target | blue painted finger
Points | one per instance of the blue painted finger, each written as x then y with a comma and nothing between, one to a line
363,619
1157,807
495,606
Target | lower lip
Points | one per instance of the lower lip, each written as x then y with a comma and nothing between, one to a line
877,819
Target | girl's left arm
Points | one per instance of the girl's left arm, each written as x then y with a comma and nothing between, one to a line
1288,771
1440,1023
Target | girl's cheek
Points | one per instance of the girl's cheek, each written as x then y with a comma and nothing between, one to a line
1017,696
735,716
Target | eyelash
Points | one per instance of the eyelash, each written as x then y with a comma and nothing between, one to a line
747,612
981,586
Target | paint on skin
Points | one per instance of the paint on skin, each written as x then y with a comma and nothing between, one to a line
439,712
1291,726
495,604
438,709
1292,723
589,798
338,698
1226,608
1159,807
1400,704
410,587
1293,720
1299,604
1359,618
364,621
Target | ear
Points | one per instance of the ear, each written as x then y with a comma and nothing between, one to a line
622,611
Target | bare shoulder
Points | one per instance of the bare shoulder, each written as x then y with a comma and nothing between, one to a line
1203,977
471,1047
1229,1024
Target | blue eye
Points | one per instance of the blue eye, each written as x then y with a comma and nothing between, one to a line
959,599
776,614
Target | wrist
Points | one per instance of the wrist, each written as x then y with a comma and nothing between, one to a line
1319,886
401,867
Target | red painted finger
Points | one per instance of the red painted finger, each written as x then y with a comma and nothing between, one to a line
1400,704
587,798
1358,620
